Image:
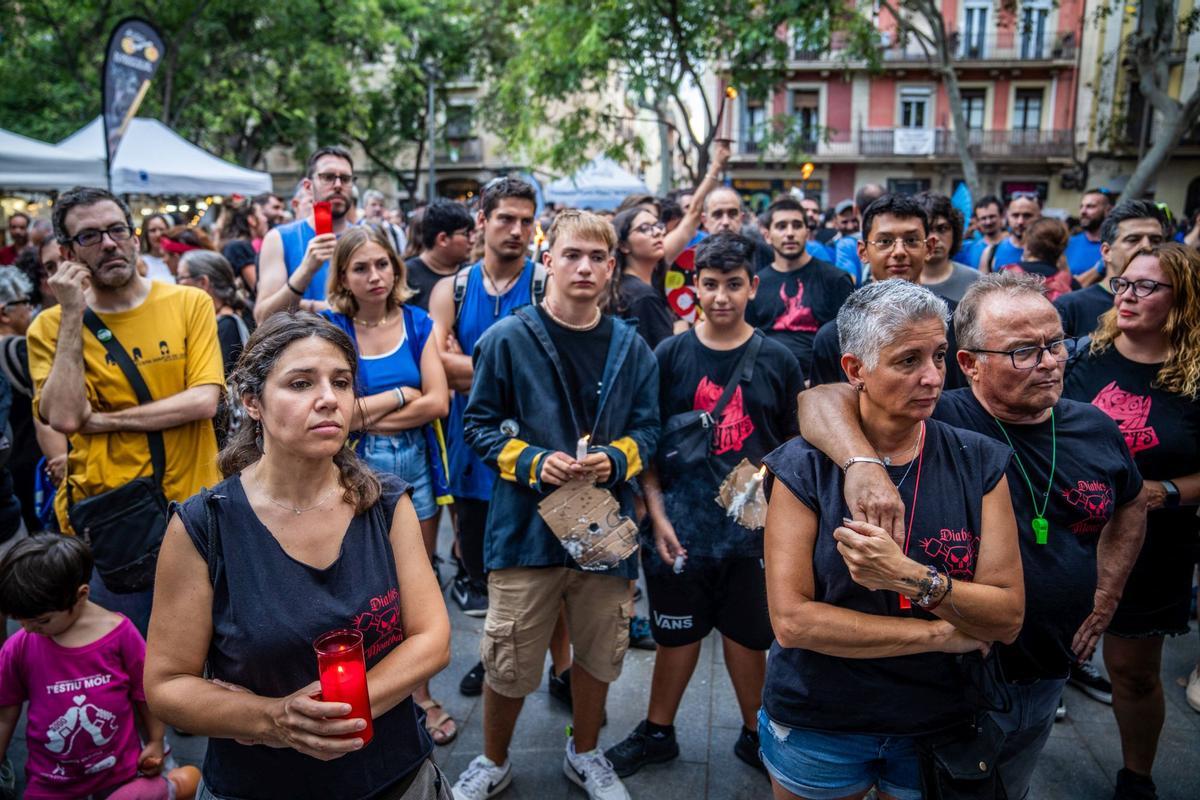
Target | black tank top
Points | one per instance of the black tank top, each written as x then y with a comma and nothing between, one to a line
267,610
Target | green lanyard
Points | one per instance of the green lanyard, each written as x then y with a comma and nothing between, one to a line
1041,528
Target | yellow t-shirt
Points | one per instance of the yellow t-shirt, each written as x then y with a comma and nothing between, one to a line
172,337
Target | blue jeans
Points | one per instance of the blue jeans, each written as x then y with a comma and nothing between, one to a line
1026,728
403,454
821,765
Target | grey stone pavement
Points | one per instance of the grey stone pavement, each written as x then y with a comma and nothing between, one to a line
1080,760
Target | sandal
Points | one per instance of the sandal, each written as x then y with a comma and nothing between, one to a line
435,726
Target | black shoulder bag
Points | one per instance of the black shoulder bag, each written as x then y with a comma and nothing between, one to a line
687,439
124,526
962,763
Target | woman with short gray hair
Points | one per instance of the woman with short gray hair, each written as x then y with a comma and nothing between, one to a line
869,629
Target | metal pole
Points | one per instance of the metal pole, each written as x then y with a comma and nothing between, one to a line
431,129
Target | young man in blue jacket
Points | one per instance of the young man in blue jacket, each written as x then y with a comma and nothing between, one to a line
545,377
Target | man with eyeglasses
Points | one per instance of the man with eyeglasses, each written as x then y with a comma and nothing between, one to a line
78,391
1132,228
1083,249
293,265
445,245
1023,209
1076,493
895,244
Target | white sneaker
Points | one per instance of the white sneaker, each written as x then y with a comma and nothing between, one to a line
593,773
1193,689
482,779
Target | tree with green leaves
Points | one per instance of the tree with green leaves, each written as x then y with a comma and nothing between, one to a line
585,69
239,80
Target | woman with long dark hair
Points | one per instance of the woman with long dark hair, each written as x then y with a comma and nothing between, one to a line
153,228
301,539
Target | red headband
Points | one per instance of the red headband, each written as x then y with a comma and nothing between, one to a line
172,246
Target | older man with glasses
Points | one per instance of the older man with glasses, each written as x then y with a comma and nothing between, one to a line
1076,492
293,265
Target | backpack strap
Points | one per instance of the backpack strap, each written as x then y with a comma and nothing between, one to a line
537,285
743,372
460,290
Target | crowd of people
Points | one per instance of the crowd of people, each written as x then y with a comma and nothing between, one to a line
225,441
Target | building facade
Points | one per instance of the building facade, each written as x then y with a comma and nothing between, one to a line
1018,77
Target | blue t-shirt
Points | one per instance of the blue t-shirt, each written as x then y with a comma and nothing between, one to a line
847,258
818,250
901,695
971,251
1082,253
1005,253
469,476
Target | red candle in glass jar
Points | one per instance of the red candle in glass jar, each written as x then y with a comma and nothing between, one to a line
343,673
322,217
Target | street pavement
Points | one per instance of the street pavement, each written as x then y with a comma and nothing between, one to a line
1080,760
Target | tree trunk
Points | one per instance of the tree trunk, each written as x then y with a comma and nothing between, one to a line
962,135
666,165
1166,137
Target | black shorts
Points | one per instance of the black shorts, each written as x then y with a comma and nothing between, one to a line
1158,595
727,594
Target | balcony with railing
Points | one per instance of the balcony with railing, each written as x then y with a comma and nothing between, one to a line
918,143
967,46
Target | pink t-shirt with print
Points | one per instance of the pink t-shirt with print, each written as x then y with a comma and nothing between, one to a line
81,734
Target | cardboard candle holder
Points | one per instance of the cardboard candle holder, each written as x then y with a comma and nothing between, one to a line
588,522
742,496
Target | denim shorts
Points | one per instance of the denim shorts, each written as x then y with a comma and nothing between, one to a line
403,454
822,765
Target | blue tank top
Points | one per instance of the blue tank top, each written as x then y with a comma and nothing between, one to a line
262,639
401,366
469,476
295,237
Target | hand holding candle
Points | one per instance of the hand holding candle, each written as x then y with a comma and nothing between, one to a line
322,217
343,672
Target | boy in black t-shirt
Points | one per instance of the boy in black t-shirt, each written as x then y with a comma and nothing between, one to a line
721,584
797,293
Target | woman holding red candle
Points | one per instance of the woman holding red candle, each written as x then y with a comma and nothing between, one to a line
301,540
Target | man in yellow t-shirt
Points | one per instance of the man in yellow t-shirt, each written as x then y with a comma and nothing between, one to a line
170,333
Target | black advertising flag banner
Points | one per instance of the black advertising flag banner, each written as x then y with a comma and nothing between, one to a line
134,52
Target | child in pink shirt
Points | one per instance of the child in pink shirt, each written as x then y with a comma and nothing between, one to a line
79,667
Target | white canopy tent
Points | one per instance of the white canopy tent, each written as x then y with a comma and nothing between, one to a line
154,160
36,166
601,184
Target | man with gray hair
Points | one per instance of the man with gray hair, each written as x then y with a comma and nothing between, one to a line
1076,493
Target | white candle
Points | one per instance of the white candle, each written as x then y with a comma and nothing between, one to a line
678,566
581,448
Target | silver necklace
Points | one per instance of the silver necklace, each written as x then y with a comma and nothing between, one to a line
294,509
587,326
498,294
911,461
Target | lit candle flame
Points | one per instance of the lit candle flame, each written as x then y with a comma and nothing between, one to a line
731,92
762,472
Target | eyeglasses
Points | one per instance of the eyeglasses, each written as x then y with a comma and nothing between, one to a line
647,228
92,237
887,243
1142,288
20,301
330,178
1029,357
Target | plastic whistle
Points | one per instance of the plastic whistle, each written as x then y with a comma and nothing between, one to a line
1041,530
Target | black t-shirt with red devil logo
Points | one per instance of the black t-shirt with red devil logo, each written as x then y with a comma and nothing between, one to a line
1094,474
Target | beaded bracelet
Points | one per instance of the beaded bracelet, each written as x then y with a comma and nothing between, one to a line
935,583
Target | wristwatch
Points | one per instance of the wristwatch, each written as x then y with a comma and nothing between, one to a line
1172,498
861,460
